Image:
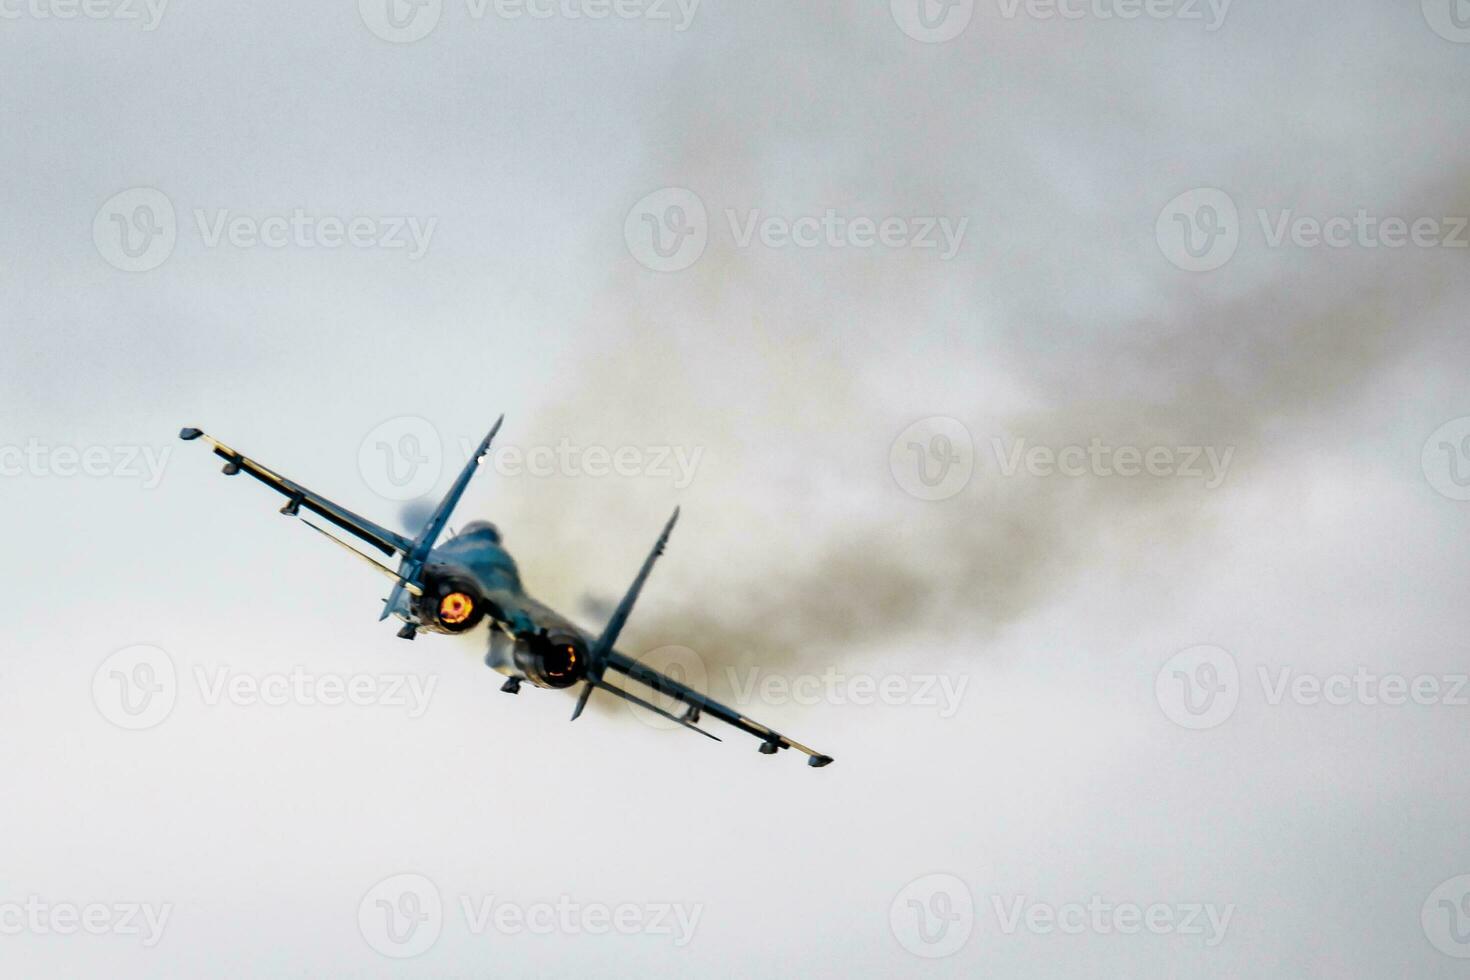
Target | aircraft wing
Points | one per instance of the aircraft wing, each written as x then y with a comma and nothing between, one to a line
699,704
386,541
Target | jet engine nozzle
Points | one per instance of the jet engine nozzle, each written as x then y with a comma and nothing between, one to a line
450,603
554,660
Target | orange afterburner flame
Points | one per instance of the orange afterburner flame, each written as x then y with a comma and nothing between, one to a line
455,608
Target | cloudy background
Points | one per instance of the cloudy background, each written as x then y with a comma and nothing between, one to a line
823,394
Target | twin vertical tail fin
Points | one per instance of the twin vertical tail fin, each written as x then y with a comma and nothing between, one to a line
598,656
697,705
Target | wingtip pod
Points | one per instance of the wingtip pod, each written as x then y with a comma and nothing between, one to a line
189,433
818,761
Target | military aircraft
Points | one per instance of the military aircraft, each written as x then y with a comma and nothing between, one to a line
470,578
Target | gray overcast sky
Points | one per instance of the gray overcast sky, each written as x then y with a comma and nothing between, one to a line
1066,402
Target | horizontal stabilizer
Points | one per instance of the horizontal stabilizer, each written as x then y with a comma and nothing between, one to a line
771,740
635,699
413,589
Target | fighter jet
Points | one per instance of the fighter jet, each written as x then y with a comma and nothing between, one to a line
471,579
